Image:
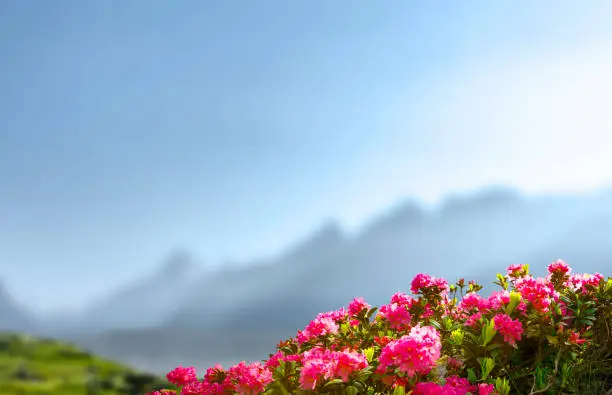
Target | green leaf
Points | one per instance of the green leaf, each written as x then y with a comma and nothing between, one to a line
488,332
501,281
552,339
515,299
371,312
399,390
279,388
363,374
436,324
540,377
565,374
486,366
359,385
333,382
448,323
351,390
457,336
472,375
369,353
502,386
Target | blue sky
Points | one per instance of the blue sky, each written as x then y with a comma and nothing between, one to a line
233,129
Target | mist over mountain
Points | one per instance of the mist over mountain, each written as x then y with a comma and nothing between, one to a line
146,301
181,314
14,316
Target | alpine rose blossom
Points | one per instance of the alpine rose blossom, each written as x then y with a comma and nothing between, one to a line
559,266
249,379
454,386
574,338
509,328
540,292
322,364
193,388
182,376
424,282
322,325
581,282
396,314
517,270
357,305
402,299
273,361
472,301
416,352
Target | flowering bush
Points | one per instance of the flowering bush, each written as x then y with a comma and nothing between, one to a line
534,336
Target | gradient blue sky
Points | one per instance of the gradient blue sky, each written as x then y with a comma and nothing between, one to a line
128,128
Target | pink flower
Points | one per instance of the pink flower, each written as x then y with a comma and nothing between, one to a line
509,328
539,292
500,299
471,301
581,282
454,386
517,270
193,388
336,315
427,311
559,266
459,386
321,364
423,283
396,314
181,376
416,352
402,299
312,372
348,362
216,388
356,306
574,338
273,361
382,341
428,388
454,363
215,373
485,389
322,325
472,320
249,379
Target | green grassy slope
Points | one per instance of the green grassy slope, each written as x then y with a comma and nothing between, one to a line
36,366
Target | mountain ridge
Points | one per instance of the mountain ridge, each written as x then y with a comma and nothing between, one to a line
471,236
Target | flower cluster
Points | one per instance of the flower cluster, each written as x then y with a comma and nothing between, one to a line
509,328
416,352
321,364
322,325
423,283
433,342
454,386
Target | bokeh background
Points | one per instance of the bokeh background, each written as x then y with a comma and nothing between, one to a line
191,182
